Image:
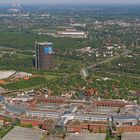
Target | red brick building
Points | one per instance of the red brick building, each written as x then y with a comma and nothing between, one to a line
128,129
101,128
52,100
33,122
111,103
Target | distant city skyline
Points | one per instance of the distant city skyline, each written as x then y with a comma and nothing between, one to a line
68,1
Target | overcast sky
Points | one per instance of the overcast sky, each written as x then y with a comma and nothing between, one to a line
70,1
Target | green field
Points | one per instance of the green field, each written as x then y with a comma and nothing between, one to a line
26,41
33,82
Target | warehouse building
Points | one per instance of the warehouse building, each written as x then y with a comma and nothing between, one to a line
20,133
72,34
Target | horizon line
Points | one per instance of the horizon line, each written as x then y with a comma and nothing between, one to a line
73,3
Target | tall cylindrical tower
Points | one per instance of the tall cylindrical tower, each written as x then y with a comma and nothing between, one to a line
44,55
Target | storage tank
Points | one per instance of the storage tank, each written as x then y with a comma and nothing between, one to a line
44,55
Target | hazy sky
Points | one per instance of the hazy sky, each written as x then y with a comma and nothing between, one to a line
71,1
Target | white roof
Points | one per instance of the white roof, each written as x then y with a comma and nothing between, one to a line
6,74
45,43
72,33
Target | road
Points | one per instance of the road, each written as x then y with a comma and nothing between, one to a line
108,59
104,61
129,75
